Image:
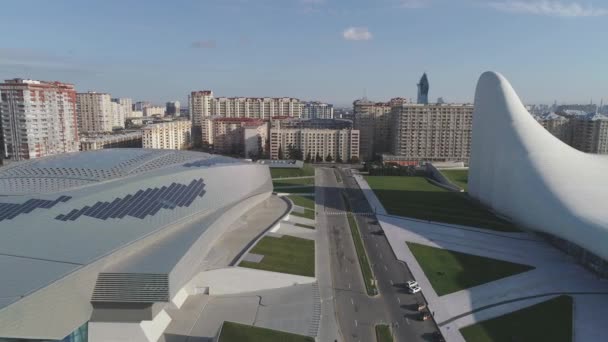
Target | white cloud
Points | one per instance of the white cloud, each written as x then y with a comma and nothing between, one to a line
414,3
549,7
357,33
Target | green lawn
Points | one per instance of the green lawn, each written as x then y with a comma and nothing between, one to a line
235,332
291,182
383,333
308,213
546,321
450,271
418,198
303,201
307,170
458,177
298,190
286,254
304,225
366,269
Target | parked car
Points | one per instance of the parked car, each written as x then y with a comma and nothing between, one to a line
437,337
420,307
424,316
414,289
411,283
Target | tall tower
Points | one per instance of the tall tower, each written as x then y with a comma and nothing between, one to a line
423,90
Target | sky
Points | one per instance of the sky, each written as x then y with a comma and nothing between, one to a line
327,50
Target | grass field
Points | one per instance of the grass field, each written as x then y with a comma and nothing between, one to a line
450,271
292,182
235,332
298,190
416,197
458,177
306,170
286,254
308,213
304,225
303,201
383,333
366,269
546,321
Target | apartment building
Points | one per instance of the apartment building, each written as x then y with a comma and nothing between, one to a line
235,136
95,112
314,138
127,105
317,110
38,118
171,135
154,111
118,115
103,141
434,132
558,125
373,120
590,134
172,108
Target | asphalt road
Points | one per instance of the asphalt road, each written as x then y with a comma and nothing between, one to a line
358,313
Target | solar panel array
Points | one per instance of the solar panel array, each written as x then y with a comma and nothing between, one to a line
142,203
212,161
9,211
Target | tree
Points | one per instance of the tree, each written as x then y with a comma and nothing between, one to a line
318,158
354,160
308,157
329,158
280,153
339,158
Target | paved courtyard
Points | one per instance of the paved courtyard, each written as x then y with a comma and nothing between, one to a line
555,273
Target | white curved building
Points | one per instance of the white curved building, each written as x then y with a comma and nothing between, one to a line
112,235
522,171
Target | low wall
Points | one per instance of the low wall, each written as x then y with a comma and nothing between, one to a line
437,178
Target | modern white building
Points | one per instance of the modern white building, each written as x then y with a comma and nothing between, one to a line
171,135
38,118
95,112
102,245
522,171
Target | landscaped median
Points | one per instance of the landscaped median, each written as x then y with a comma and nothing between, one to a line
306,171
383,333
547,321
366,269
236,332
285,254
306,202
450,271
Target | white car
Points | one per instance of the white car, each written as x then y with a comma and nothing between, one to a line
414,289
411,283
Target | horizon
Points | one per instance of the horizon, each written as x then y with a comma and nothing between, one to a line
313,50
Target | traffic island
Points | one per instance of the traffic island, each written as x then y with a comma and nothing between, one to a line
383,333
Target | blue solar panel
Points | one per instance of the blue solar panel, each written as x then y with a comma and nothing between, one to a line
141,204
212,161
9,211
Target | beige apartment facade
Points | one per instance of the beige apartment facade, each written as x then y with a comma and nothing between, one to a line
171,135
95,112
432,132
373,120
235,136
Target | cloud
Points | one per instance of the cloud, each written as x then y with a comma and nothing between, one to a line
357,33
204,44
414,3
549,8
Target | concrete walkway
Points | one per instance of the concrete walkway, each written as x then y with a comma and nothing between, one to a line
554,273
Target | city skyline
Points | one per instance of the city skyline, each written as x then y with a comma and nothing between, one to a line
311,49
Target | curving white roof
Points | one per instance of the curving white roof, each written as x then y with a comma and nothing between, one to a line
522,171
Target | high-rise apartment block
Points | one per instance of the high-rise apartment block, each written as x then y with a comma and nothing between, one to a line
172,108
436,132
38,118
172,135
95,112
127,105
236,136
587,132
373,120
317,110
103,141
154,111
118,115
315,139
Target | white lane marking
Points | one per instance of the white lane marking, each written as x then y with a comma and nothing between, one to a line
390,281
349,285
356,324
407,321
376,245
352,301
385,268
399,300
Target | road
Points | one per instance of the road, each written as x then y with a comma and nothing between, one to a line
358,313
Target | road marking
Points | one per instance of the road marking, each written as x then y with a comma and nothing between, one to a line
399,300
407,321
352,301
356,324
376,245
380,256
349,285
385,268
390,281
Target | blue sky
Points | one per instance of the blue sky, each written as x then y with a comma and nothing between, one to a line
329,50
